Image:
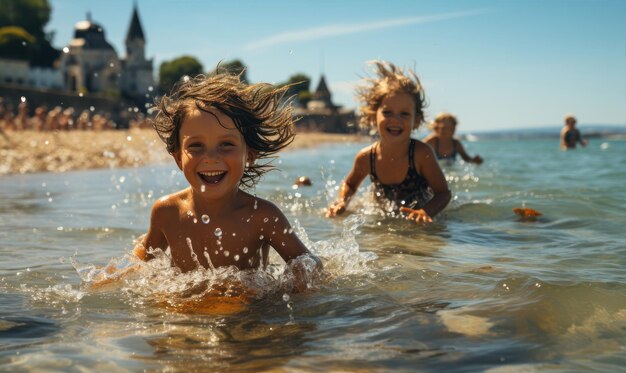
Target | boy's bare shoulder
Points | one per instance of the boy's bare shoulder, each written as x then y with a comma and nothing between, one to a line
265,207
171,202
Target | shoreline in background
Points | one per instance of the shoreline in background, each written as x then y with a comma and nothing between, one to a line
25,152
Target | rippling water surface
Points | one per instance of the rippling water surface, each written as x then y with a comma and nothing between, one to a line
478,290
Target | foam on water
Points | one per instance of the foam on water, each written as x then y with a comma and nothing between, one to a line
156,281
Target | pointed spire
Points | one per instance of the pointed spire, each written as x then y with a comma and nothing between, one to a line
322,92
89,16
135,31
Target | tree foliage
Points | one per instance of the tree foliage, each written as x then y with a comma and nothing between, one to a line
234,67
170,72
300,87
21,20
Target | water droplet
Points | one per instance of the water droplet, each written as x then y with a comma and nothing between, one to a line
66,50
236,257
256,205
206,219
91,108
202,188
265,220
291,51
290,231
234,234
218,232
189,213
122,179
261,237
286,297
245,250
275,219
226,253
23,99
195,221
186,78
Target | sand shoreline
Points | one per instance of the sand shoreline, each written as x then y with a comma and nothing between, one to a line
30,151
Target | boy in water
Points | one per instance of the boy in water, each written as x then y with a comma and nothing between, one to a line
217,129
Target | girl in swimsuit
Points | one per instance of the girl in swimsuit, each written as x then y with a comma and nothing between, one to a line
443,142
404,172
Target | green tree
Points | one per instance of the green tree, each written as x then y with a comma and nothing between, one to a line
299,86
31,16
170,72
16,43
235,67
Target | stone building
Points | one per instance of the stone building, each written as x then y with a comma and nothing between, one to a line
90,64
321,115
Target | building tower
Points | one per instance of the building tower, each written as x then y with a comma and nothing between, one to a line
137,78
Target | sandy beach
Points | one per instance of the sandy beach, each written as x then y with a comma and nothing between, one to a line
29,151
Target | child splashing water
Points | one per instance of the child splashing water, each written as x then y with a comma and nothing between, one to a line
218,129
444,144
404,172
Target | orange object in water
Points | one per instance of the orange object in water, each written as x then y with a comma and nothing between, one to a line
527,213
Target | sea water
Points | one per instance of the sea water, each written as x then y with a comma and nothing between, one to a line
477,290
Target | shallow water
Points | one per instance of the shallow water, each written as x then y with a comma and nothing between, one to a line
478,290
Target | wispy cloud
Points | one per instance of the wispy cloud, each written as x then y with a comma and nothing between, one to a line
328,31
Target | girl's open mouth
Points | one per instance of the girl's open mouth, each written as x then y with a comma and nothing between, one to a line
212,177
394,131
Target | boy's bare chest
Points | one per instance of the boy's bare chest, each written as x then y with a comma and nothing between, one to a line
215,244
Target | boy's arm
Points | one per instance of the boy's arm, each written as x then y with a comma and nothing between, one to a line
287,244
155,238
351,183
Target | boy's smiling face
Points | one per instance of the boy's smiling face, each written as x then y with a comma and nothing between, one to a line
212,153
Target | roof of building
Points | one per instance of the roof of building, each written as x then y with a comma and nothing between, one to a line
322,93
135,31
90,35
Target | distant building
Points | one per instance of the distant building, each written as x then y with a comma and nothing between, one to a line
320,114
91,65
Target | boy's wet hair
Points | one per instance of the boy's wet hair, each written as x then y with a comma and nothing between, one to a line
389,78
259,112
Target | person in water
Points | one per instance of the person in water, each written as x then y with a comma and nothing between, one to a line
443,142
404,172
217,129
570,135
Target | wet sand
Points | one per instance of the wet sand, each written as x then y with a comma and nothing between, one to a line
29,151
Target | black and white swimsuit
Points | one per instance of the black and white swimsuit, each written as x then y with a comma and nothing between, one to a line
412,192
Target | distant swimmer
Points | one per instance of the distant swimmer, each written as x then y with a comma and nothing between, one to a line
570,135
443,142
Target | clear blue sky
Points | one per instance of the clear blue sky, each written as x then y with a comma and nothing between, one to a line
496,64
